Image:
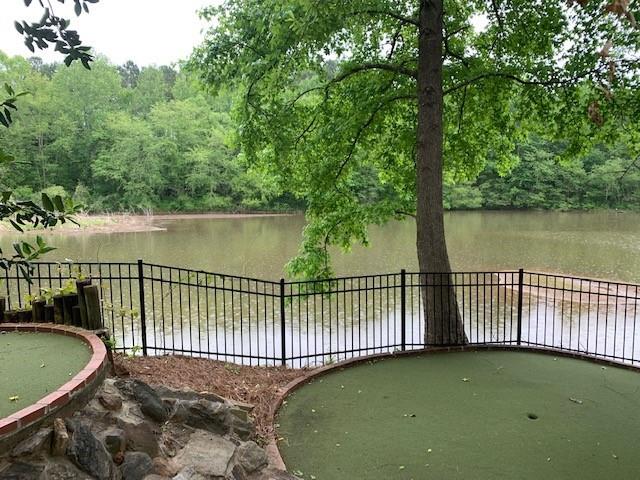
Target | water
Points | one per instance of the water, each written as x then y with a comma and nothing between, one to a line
238,319
593,244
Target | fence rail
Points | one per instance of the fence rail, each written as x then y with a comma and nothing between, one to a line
159,309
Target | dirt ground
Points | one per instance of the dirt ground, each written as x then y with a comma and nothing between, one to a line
255,385
124,223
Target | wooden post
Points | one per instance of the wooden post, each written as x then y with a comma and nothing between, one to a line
92,299
76,317
10,316
37,308
80,284
24,315
3,307
58,310
68,302
48,314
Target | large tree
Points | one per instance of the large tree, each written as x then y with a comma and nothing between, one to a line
410,92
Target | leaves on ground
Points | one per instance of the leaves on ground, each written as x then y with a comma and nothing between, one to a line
255,385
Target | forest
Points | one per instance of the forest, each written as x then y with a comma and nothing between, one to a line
124,138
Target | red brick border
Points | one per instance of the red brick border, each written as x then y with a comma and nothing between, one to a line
273,452
63,395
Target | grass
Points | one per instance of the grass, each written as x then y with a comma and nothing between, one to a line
32,365
480,415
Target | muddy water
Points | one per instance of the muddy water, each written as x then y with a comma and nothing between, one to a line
600,244
215,320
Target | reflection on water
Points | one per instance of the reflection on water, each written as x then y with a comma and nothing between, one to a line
240,320
600,244
236,320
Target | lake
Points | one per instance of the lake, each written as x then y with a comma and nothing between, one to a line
593,244
239,320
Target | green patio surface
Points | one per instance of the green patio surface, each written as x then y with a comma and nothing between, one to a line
466,415
32,365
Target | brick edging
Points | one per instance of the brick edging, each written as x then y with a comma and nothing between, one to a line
273,452
62,396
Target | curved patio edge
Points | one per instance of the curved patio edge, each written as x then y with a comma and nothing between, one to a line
273,452
64,400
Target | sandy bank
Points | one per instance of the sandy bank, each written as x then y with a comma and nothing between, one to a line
121,223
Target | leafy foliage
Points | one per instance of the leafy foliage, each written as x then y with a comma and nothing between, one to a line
329,94
21,214
54,30
126,142
51,29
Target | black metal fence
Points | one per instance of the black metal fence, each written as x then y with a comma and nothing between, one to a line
156,309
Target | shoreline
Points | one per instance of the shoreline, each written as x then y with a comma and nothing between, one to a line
126,223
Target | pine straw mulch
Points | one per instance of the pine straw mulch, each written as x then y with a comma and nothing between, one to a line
257,386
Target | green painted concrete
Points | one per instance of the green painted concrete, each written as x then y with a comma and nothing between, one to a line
32,365
417,418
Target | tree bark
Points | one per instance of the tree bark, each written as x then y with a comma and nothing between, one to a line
443,323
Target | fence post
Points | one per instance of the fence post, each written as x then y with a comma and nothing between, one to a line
520,288
283,335
143,316
403,309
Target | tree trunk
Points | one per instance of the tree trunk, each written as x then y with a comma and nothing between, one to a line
443,323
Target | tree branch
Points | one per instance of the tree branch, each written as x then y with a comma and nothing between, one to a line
461,112
401,18
633,164
366,125
389,67
514,78
406,214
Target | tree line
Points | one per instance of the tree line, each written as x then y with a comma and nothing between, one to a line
126,138
605,178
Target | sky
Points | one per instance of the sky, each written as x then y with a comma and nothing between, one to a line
146,31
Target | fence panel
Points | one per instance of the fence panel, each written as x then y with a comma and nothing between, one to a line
332,320
253,321
221,317
596,317
119,291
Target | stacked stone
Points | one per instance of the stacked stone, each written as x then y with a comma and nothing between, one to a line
131,432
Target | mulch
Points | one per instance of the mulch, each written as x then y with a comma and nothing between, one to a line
254,385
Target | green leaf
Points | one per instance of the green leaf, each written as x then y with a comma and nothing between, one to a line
16,226
47,203
59,203
5,157
18,248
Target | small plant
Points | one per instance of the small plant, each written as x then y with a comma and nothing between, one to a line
134,351
230,367
47,294
110,343
77,274
28,300
68,288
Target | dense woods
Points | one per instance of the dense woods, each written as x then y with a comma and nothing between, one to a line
126,138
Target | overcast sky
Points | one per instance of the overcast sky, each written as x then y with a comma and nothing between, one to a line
145,31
